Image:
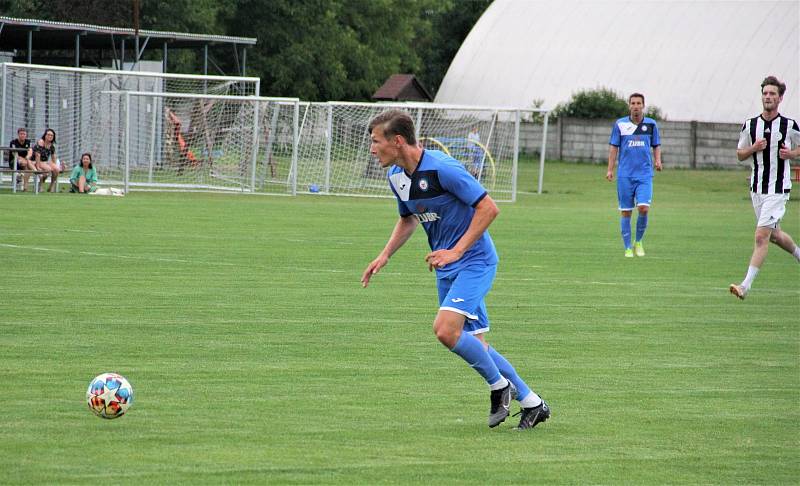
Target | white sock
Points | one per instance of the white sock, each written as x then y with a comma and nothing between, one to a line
530,401
499,384
751,275
796,253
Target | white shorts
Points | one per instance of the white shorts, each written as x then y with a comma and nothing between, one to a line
769,208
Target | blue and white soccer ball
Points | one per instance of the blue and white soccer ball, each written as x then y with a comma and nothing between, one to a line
109,395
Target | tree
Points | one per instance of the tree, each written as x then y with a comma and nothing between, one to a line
329,49
452,21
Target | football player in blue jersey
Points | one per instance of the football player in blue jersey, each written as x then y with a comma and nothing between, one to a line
633,138
436,191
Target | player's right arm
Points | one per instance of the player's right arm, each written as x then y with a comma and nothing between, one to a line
745,153
402,232
612,159
745,149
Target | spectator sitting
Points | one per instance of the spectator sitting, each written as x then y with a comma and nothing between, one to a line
83,178
45,153
23,156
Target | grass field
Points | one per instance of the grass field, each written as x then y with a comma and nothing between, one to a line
256,357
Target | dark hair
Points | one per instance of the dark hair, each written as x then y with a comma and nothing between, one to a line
45,134
395,122
21,129
773,81
86,154
636,95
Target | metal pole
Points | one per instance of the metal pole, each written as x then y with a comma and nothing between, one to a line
295,145
244,61
164,62
515,159
544,149
3,109
77,50
328,146
205,67
127,141
30,46
255,146
122,55
152,140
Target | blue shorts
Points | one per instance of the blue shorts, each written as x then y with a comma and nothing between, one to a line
634,191
463,292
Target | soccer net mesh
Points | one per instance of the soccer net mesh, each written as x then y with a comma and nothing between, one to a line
197,142
37,97
334,154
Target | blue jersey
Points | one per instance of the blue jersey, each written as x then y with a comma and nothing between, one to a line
442,195
635,143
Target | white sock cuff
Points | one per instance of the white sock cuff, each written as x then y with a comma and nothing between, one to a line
531,400
499,384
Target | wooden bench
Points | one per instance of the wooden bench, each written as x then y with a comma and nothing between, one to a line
35,173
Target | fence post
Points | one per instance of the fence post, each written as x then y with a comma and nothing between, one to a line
560,136
693,144
544,148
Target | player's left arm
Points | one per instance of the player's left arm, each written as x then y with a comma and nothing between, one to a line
656,142
657,157
792,151
485,212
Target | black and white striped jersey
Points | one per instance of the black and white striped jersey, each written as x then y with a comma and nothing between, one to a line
770,174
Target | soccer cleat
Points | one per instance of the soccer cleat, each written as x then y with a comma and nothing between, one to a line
500,400
532,416
638,249
628,252
738,291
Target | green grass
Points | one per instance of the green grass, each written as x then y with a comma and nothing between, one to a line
256,357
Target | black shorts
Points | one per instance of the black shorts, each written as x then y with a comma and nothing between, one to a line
74,188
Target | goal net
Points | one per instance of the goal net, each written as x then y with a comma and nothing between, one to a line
37,97
197,142
334,154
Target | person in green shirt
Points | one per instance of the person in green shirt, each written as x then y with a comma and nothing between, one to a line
83,178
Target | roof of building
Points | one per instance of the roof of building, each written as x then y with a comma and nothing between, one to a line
53,35
402,87
698,60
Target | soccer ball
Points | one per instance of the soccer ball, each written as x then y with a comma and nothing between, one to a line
109,395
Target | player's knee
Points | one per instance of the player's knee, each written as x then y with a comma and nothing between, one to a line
763,240
446,334
643,210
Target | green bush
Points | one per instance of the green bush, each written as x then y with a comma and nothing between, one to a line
601,103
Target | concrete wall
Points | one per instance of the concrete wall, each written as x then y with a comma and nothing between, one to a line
683,144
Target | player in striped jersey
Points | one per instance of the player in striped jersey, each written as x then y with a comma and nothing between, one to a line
770,141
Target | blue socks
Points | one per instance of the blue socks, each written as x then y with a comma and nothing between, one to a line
625,226
508,371
641,225
472,351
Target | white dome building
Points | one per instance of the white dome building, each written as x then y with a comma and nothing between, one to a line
696,60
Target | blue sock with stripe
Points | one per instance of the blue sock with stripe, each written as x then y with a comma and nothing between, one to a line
641,225
625,227
508,371
472,351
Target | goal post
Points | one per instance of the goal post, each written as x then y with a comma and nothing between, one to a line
63,98
184,141
334,154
